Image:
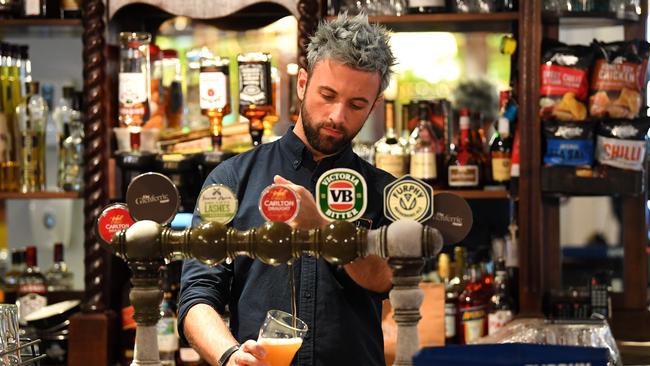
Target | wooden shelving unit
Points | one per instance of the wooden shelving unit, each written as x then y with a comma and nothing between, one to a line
38,195
588,19
479,194
450,22
40,22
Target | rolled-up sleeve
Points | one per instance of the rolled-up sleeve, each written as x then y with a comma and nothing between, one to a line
202,284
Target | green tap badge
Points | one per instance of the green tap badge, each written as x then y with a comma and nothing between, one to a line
217,203
408,198
341,194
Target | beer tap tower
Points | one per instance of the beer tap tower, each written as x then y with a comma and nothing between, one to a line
147,245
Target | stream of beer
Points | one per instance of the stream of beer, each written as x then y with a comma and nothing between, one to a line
294,307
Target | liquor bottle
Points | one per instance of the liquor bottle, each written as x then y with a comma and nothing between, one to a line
255,91
390,155
172,89
426,6
14,74
423,145
500,312
134,83
25,69
451,298
214,91
70,9
501,152
167,334
31,116
62,115
404,131
294,101
8,103
271,118
32,286
512,257
472,309
463,168
73,150
59,277
34,8
13,274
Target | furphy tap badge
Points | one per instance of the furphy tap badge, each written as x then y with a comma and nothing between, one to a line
408,198
217,203
341,194
114,217
152,196
279,203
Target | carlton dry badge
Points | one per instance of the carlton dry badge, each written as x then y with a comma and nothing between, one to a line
217,203
279,203
341,194
408,198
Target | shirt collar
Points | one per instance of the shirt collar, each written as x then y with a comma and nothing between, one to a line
293,146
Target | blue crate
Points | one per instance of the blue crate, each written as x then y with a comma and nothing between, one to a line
511,354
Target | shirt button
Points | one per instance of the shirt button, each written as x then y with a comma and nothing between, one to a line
307,295
296,163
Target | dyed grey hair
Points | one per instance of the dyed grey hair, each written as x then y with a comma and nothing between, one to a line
354,42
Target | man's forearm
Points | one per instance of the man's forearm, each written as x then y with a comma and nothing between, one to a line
371,273
207,332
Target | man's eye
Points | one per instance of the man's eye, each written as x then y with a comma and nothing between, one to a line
328,96
356,106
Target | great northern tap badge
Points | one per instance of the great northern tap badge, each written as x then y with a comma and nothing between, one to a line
408,198
341,194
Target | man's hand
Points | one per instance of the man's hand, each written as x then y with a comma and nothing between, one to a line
250,353
308,216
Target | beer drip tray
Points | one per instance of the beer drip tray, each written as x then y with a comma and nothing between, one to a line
28,350
587,181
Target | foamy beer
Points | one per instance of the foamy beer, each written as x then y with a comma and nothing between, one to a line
281,336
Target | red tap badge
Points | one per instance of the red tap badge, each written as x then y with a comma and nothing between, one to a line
114,218
279,203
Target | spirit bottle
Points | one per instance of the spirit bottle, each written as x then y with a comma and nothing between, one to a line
463,167
255,91
501,152
501,310
31,116
62,116
32,286
134,83
472,309
214,94
423,145
73,153
390,155
59,277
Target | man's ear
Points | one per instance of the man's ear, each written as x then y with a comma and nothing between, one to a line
301,83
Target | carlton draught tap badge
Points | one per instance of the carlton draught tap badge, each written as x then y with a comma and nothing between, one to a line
408,198
217,203
341,194
279,203
114,217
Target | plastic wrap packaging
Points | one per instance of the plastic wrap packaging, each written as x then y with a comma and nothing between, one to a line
587,333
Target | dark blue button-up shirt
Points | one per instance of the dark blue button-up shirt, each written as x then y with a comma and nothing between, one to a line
344,319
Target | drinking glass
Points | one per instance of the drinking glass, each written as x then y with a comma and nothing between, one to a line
281,335
9,335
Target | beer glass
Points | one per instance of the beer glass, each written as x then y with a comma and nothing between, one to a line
281,335
9,335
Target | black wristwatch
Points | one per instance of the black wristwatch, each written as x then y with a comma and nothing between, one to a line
226,355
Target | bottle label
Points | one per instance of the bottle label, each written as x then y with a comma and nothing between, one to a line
212,90
427,3
32,7
423,165
498,320
132,93
393,164
450,320
252,84
473,323
501,169
167,336
32,301
70,5
463,176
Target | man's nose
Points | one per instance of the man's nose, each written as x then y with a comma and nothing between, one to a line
337,113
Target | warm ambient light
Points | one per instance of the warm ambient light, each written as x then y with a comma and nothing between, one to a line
430,55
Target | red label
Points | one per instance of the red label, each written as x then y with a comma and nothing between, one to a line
559,80
112,220
341,195
621,76
279,203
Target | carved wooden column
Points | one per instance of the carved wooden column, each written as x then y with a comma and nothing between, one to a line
91,330
307,22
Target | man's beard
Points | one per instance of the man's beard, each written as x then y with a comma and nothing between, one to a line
324,144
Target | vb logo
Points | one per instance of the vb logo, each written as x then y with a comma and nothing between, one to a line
341,194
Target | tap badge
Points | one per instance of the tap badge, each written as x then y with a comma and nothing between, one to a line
453,217
341,194
114,217
279,203
152,196
408,198
217,203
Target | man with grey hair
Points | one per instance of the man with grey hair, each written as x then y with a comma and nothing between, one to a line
349,63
